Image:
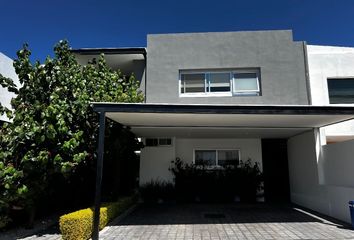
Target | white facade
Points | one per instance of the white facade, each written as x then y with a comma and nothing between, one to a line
328,62
7,70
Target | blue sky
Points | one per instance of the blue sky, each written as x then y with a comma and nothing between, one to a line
109,23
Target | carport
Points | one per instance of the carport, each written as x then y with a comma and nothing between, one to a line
262,121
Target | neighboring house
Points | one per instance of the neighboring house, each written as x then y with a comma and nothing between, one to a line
224,97
332,83
7,70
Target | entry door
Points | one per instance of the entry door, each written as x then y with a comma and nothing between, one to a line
275,170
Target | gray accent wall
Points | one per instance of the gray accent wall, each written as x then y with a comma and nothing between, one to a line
280,60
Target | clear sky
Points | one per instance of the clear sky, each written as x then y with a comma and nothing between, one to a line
119,23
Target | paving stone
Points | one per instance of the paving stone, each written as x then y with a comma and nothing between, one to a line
188,222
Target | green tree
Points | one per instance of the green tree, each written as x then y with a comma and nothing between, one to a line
54,128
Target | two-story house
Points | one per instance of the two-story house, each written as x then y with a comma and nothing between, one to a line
216,98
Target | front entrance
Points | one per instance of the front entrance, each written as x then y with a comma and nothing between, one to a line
275,170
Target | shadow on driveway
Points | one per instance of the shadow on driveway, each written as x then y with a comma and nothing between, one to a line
215,213
225,221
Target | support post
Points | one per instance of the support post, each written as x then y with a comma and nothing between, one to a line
99,168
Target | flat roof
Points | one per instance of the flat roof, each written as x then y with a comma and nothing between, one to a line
95,51
191,120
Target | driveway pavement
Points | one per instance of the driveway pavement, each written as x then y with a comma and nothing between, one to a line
214,222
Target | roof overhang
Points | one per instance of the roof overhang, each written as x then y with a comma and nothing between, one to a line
223,121
128,60
98,51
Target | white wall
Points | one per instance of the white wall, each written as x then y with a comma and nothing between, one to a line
249,148
7,70
329,62
306,167
339,164
305,188
155,161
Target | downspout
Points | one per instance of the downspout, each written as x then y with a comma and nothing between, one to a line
145,77
307,74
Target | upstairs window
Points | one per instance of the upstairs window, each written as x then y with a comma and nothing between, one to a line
341,90
245,83
220,83
193,83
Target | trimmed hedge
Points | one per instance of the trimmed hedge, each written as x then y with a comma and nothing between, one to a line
78,225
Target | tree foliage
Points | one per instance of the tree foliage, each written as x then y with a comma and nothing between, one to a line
53,128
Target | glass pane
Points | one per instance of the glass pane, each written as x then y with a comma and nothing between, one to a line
165,141
219,82
341,90
193,82
228,157
151,142
245,82
205,157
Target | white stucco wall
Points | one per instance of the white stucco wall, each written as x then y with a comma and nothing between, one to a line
329,62
338,167
305,189
338,198
7,70
339,164
306,168
155,161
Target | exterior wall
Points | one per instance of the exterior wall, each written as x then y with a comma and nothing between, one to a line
338,168
280,59
338,164
7,70
155,161
329,196
329,62
305,188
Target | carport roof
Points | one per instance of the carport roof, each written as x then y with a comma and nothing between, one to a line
192,120
262,121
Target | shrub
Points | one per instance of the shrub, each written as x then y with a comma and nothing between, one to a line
156,190
203,183
78,225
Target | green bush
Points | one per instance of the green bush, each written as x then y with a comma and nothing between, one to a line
202,183
78,225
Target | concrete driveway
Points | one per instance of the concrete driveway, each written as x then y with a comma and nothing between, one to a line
230,221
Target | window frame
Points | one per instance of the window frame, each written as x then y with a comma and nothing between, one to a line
229,93
216,155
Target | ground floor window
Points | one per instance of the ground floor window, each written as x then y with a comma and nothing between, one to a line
217,157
